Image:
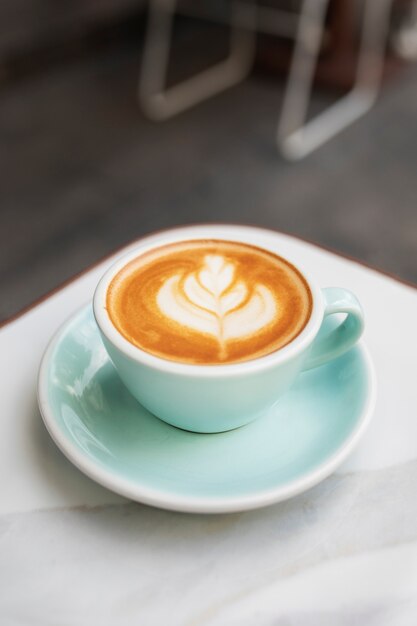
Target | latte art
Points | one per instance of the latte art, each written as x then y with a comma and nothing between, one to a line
209,302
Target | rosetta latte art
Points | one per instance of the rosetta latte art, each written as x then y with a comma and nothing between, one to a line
211,300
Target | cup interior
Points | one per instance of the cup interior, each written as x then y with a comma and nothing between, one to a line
260,238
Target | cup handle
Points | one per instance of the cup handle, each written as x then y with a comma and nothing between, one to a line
345,335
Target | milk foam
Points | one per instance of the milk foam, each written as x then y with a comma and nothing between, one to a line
212,301
209,301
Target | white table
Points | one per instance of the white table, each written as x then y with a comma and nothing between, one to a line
72,553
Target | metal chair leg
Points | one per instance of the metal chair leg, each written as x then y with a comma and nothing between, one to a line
159,102
297,138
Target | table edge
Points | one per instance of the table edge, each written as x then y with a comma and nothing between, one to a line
83,272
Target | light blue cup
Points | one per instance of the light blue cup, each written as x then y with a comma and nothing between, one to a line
216,398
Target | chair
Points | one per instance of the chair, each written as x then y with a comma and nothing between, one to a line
296,137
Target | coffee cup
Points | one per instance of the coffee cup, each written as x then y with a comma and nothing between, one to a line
192,370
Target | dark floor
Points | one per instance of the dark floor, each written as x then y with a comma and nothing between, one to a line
82,172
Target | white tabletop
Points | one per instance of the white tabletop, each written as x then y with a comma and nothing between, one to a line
345,552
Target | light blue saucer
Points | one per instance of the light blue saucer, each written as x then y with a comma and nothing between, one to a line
114,440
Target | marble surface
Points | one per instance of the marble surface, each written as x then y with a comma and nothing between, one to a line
342,553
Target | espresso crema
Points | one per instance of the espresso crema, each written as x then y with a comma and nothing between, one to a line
209,302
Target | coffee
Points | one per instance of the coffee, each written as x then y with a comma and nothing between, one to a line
209,302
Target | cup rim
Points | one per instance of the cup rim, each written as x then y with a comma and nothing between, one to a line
251,235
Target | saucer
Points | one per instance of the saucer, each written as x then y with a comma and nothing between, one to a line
110,437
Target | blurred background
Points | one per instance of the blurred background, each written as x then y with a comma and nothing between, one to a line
103,138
